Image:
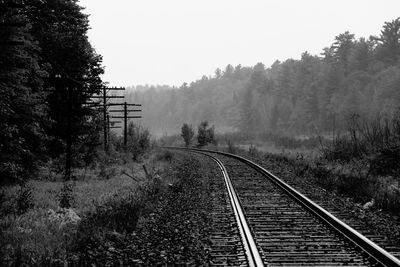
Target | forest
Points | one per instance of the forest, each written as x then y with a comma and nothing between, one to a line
48,69
314,95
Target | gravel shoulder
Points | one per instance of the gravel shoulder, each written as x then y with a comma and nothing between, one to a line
188,223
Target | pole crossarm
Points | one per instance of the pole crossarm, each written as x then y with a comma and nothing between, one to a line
121,104
133,110
92,104
128,117
111,96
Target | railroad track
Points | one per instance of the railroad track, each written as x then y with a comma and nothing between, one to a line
278,226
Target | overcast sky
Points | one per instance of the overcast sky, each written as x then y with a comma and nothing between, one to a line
176,41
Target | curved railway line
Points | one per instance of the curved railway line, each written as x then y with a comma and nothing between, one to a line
278,226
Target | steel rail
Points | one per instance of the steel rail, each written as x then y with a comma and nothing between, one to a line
253,256
369,247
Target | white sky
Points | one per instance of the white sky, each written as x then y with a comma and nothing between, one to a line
176,41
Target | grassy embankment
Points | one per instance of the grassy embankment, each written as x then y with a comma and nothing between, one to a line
36,231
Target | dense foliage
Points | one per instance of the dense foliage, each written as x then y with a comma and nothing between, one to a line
138,140
187,134
205,134
21,99
312,95
54,72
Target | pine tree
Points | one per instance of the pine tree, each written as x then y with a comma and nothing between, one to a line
22,109
389,42
61,28
187,134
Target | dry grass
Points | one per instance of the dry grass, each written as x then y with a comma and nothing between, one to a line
35,236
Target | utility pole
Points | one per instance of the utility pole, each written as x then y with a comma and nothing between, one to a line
105,99
126,117
105,119
125,125
108,128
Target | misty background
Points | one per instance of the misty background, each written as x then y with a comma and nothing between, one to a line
312,95
172,42
287,67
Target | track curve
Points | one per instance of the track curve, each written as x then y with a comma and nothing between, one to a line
288,228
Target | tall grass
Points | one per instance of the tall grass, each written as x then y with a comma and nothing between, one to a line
377,140
279,140
46,234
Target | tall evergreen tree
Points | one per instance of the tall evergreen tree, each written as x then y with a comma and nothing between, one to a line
342,48
389,42
22,109
60,27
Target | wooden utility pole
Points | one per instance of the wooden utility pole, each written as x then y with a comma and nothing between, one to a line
125,125
126,117
108,128
105,119
105,99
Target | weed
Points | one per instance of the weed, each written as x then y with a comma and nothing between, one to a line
231,147
253,151
205,135
386,162
107,171
119,213
138,141
165,156
24,200
11,173
377,139
66,196
33,239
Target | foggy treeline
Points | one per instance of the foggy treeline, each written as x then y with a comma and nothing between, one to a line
313,95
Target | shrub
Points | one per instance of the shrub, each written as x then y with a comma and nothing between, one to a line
11,173
366,137
165,156
107,171
187,134
205,134
386,162
341,149
138,140
231,147
253,151
118,212
66,195
24,200
34,239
